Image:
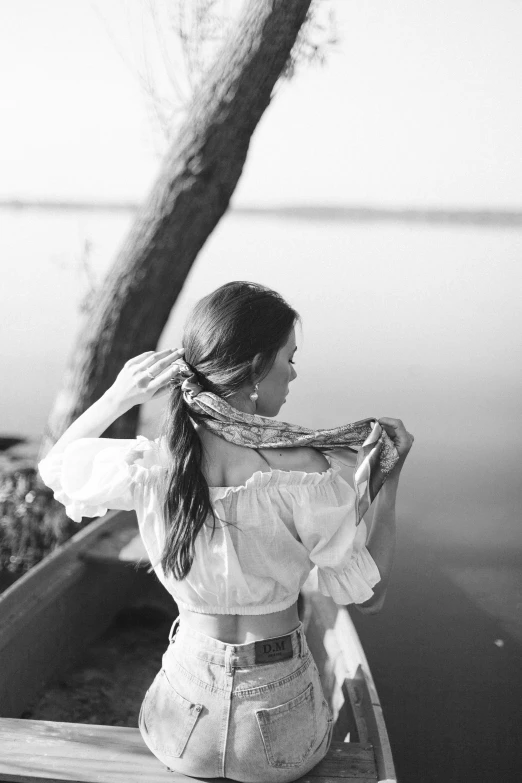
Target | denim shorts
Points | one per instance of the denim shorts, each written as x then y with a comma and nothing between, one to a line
251,712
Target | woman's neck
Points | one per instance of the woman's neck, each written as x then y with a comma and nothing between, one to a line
241,402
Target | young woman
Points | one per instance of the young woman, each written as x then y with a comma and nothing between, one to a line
234,512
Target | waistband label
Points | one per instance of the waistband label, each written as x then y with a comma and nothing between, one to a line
279,649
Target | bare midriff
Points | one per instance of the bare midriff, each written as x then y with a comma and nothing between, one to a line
241,628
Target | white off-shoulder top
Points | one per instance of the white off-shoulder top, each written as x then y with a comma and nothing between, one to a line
285,523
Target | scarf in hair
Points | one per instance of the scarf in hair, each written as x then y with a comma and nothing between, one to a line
376,453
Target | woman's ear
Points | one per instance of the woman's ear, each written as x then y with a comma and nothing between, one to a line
257,363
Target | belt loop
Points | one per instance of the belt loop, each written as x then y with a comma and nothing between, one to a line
228,660
299,632
173,629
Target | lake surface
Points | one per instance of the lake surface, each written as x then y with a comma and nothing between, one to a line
417,322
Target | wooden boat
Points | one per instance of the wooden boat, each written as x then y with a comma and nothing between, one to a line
52,613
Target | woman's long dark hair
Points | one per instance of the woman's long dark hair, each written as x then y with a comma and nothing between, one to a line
223,334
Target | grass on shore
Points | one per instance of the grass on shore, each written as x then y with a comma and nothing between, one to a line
32,522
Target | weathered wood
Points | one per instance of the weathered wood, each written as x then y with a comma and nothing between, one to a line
83,753
346,678
47,750
53,612
345,761
118,546
350,723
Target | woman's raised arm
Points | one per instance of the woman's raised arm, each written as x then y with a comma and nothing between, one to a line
142,378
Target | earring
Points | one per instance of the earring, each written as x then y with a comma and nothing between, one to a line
254,394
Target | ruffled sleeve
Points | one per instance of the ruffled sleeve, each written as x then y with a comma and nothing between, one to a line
92,475
346,570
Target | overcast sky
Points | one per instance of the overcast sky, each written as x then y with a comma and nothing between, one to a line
421,104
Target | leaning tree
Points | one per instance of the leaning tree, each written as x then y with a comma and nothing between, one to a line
192,192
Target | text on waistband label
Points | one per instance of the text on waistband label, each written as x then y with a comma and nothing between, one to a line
270,650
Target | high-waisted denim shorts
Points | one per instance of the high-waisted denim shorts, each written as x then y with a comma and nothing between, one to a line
250,712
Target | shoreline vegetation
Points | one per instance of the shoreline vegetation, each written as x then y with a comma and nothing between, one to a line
333,213
32,523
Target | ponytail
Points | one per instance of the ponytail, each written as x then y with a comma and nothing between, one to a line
187,497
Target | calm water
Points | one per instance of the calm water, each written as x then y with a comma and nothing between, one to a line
417,322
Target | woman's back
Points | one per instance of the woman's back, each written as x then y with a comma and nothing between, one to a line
228,465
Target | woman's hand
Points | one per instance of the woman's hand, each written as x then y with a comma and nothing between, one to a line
144,377
401,438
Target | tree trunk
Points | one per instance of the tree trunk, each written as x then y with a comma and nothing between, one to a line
190,195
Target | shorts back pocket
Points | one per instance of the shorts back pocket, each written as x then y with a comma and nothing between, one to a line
168,717
289,730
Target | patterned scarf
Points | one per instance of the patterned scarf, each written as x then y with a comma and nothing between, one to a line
376,454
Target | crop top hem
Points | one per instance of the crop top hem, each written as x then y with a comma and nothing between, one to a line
246,609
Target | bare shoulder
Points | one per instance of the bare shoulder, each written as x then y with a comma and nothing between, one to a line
303,458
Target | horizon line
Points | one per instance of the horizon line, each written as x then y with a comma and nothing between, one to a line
328,213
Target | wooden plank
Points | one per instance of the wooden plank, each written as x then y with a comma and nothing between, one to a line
118,546
345,761
336,676
344,670
377,733
38,751
311,778
75,752
39,581
350,723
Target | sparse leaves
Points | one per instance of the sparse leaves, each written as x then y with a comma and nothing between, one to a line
317,37
172,44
